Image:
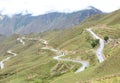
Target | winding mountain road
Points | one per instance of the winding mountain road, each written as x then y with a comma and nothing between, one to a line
99,51
6,59
10,52
85,64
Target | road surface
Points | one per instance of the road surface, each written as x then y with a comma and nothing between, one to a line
99,51
6,59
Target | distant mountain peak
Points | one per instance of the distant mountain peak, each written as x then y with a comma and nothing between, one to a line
93,8
90,7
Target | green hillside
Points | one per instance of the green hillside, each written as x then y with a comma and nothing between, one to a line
35,65
103,27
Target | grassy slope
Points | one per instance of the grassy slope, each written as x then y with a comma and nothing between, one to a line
108,79
30,64
42,60
75,39
108,25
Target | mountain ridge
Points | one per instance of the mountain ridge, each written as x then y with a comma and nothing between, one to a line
24,24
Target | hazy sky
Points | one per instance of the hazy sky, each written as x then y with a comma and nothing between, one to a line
42,6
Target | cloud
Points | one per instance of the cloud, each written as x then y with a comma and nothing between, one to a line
37,7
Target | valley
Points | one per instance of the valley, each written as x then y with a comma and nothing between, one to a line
87,52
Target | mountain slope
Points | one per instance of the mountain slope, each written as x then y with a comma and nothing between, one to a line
28,24
103,25
35,65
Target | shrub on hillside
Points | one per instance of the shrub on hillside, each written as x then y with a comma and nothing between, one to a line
95,43
106,38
